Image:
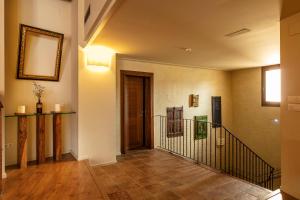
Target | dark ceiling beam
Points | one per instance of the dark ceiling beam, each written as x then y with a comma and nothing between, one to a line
289,8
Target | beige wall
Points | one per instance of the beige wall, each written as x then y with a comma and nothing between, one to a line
2,71
252,123
54,15
96,107
290,127
2,62
174,84
96,114
74,75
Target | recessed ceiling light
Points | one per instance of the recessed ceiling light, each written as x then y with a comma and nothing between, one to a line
189,50
238,32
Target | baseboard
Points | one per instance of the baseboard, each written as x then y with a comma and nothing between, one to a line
49,156
74,154
82,157
286,196
279,194
104,164
86,157
271,195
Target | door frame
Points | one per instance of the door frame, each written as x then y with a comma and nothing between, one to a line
150,122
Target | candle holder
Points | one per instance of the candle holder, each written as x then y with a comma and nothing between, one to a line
57,108
21,110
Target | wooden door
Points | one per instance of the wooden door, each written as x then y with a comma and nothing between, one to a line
134,111
137,131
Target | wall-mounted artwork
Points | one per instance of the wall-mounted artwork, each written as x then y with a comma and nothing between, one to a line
40,54
175,122
200,127
194,100
216,111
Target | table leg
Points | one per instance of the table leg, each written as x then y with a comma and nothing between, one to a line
57,141
40,139
22,141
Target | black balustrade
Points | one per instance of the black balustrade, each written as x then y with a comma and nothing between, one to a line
218,148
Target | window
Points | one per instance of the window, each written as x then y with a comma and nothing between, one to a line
175,122
271,86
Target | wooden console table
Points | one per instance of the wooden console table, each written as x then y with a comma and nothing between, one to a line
40,136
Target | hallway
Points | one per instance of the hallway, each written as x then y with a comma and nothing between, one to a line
138,175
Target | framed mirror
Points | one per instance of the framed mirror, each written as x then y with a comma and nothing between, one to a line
40,54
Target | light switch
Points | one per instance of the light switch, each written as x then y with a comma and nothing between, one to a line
294,107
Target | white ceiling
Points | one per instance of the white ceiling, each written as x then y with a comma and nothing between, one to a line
156,30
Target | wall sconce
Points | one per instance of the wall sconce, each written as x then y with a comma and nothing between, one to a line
98,58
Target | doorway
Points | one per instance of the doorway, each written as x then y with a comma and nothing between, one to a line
136,111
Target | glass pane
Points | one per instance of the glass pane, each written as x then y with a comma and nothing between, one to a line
273,85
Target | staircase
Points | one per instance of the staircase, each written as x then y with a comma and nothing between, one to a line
215,146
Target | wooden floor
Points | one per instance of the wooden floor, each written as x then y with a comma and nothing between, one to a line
62,180
139,175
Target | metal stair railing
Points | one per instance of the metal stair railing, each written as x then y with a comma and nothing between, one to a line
215,146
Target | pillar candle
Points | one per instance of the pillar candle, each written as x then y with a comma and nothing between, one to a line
57,108
21,109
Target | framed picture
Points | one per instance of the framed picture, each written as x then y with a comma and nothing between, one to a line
40,53
194,100
216,111
200,127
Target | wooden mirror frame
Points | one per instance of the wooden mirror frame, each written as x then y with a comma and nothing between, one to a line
24,29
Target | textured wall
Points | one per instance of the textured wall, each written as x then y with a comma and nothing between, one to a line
251,122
